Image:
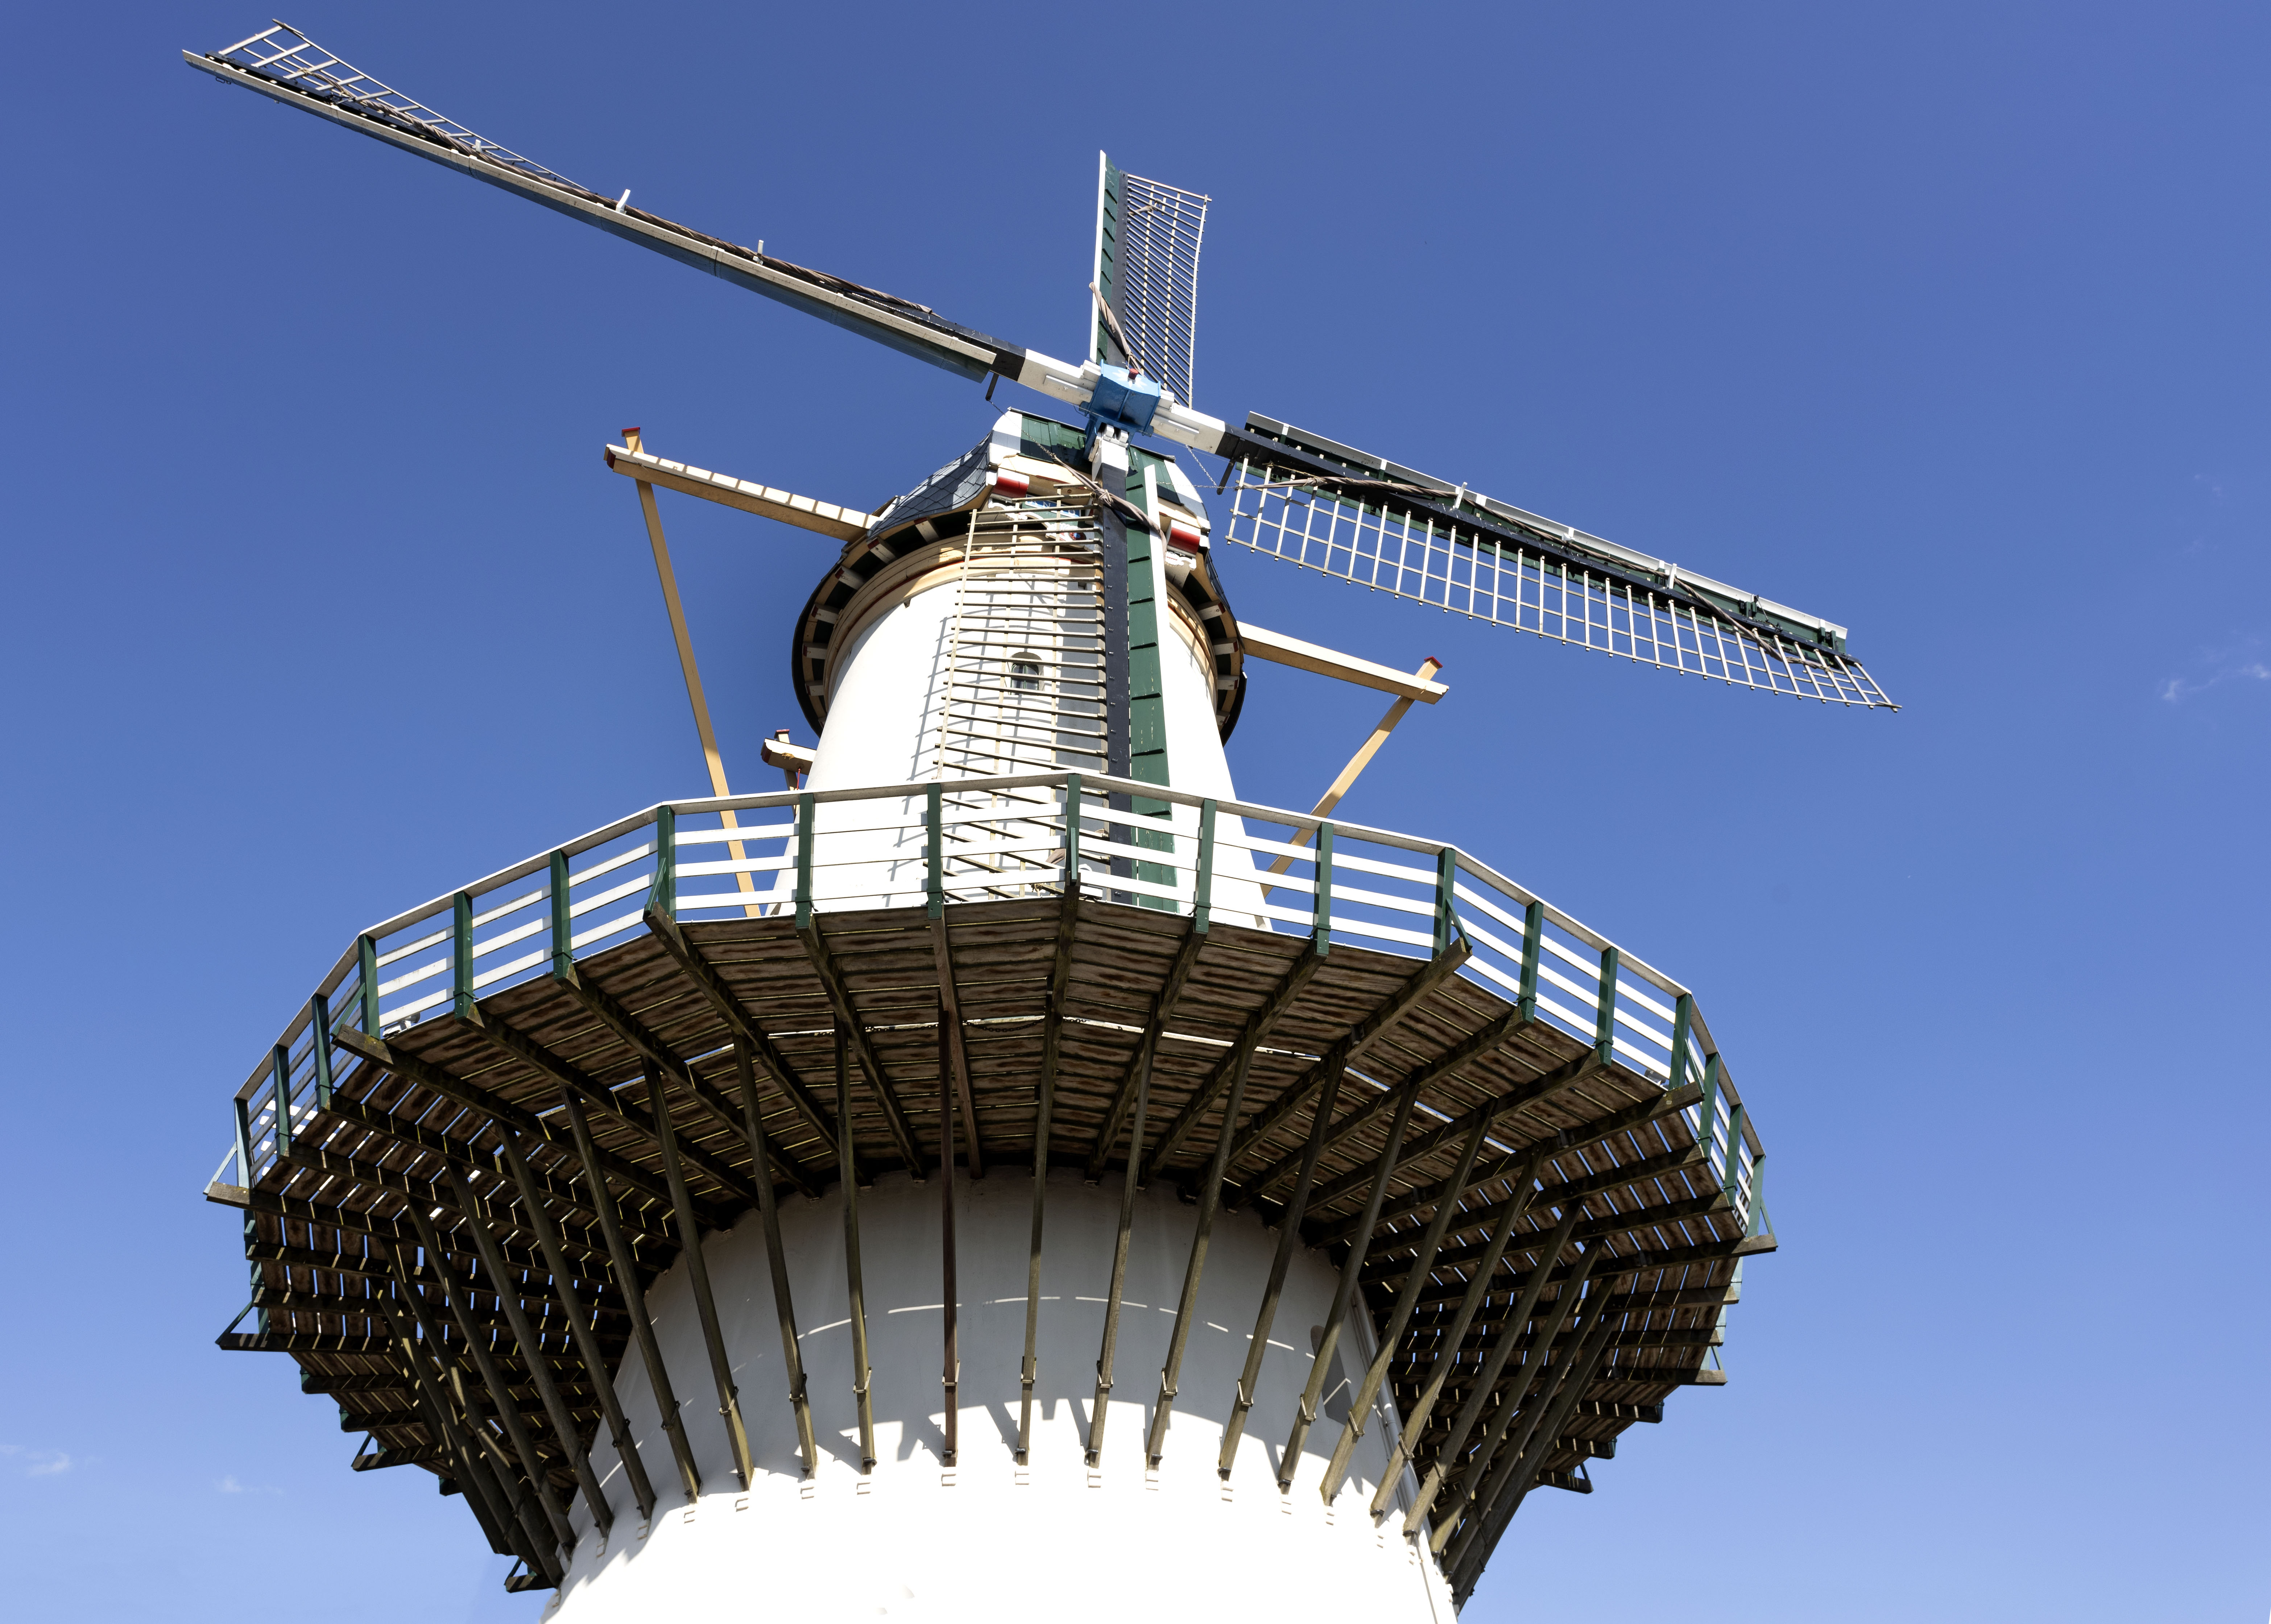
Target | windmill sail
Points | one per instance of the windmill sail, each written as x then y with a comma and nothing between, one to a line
1329,507
1148,236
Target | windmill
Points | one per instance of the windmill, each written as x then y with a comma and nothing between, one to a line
645,1192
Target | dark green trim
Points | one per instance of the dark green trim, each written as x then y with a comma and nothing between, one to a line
461,954
1447,918
367,979
1321,904
280,1068
564,921
319,1029
804,804
1533,940
1604,1014
663,898
1202,891
934,850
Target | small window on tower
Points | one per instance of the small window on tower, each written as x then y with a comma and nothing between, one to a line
1025,671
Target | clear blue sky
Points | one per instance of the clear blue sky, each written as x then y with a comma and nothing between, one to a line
1946,322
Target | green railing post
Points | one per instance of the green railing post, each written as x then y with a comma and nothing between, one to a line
1447,919
1072,835
243,1142
563,921
663,898
1533,941
1604,1014
1203,885
319,1024
1706,1125
1733,1181
280,1067
935,848
804,804
1683,1018
1320,915
367,983
461,953
1757,1225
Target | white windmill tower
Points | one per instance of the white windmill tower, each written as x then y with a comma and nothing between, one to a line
1005,1164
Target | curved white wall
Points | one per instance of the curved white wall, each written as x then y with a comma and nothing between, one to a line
916,1540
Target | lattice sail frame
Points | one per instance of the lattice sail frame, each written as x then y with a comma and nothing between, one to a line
1148,239
284,53
1382,534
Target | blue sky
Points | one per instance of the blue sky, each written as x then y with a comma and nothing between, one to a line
1945,322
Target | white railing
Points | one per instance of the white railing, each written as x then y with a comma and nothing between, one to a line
980,839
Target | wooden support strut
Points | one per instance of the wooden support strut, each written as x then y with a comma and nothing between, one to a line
1289,1240
1304,1415
627,1280
501,1398
587,1344
746,1032
776,1262
1447,1455
1186,1304
698,1274
1043,1109
1232,1064
848,1025
1101,1405
1360,1406
1485,1529
1407,997
951,1349
1503,1444
1171,990
863,1373
473,1470
610,1014
501,1112
949,998
1478,1286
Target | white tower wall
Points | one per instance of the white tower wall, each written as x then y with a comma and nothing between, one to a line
916,1539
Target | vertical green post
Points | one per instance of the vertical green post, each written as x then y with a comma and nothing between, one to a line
1447,919
367,983
1707,1123
804,861
1203,886
1533,941
319,1024
461,953
1072,835
1320,916
243,1144
1758,1226
935,848
1683,1021
563,921
280,1068
1733,1180
663,898
1605,1015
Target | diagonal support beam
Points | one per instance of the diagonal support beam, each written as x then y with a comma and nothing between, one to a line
1478,1286
1289,1239
610,1012
1233,1064
957,1054
1305,1415
1346,1052
863,1372
658,1373
698,1274
415,1068
1456,1442
746,1032
1101,1407
1186,1304
1163,1009
1493,1452
501,1398
777,1261
587,1342
1044,1110
847,1024
509,1039
1392,1335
